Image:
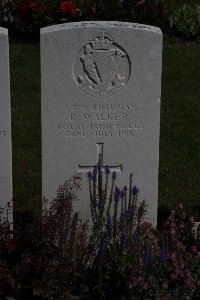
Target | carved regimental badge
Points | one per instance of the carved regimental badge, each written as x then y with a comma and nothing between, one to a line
102,67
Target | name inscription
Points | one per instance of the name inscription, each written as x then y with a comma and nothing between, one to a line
100,121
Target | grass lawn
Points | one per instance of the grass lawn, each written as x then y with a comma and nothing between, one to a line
179,174
26,133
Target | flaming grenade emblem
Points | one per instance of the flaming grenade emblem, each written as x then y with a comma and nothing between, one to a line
104,67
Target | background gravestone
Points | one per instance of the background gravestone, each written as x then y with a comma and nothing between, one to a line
5,122
101,88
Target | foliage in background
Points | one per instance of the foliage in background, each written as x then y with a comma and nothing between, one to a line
152,12
187,20
109,10
175,4
31,15
34,14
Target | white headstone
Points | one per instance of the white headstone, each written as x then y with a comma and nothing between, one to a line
101,88
5,123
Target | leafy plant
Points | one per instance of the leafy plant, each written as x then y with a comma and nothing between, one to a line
57,256
153,12
187,20
109,10
41,256
33,14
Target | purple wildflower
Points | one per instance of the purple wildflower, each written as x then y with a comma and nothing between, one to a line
89,175
107,170
95,169
117,195
114,175
132,213
94,174
147,259
135,238
164,253
135,190
141,209
109,226
122,219
102,248
123,241
94,178
99,166
122,194
99,204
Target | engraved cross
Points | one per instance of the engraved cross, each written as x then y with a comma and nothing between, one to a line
100,148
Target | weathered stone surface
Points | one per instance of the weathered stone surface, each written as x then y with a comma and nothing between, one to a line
5,123
101,88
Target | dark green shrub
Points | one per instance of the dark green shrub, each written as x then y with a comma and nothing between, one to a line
153,12
186,20
109,10
31,15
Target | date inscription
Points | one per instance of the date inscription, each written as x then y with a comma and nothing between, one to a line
100,121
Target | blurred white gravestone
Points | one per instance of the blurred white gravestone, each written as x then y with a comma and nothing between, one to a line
101,88
3,11
5,124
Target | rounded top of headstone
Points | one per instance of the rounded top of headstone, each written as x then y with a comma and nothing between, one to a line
3,31
98,24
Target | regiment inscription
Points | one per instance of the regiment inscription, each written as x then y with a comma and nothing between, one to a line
100,121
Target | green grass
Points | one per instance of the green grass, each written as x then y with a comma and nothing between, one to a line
26,133
179,174
180,128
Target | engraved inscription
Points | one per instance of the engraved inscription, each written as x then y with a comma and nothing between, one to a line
102,67
2,133
100,117
100,121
